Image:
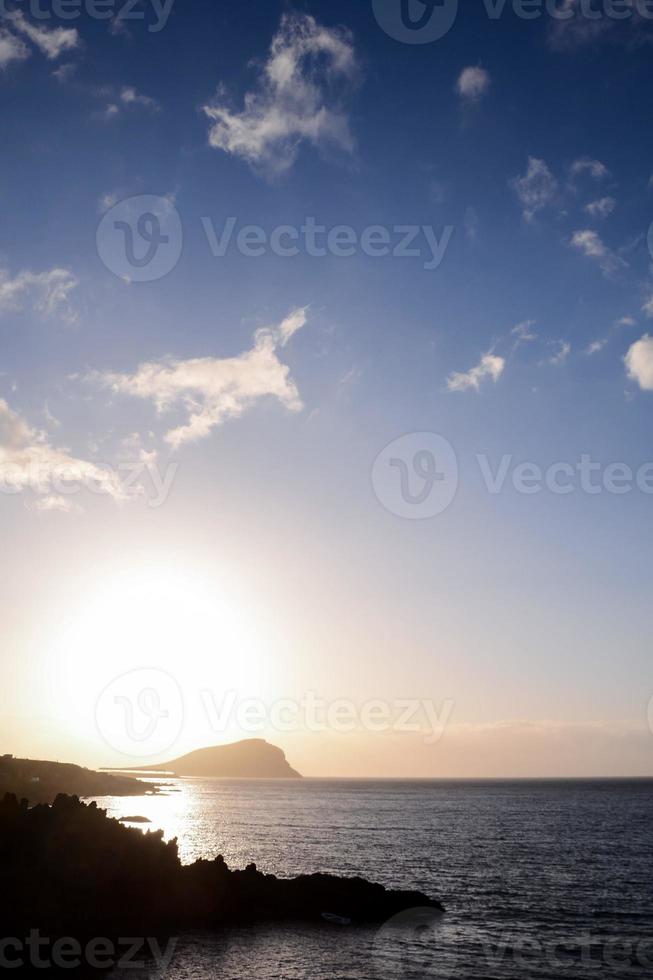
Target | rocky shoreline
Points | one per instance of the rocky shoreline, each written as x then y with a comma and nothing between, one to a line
70,870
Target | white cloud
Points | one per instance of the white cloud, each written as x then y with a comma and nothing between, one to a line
291,102
626,321
127,98
28,461
597,345
601,208
536,189
590,244
211,390
52,42
11,49
490,366
45,292
647,308
64,73
562,353
473,83
594,168
639,362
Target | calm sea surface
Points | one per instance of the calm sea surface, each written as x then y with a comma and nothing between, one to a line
539,879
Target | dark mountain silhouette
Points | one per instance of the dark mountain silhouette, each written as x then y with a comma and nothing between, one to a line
41,782
253,758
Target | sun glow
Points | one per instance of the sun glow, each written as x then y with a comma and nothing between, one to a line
180,622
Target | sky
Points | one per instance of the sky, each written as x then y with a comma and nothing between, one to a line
327,384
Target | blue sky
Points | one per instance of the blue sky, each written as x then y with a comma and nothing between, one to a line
266,387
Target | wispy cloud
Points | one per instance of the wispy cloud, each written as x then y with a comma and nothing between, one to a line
577,25
47,293
523,333
563,350
536,189
490,367
601,208
602,342
11,49
473,83
594,168
29,461
294,101
211,390
589,242
128,98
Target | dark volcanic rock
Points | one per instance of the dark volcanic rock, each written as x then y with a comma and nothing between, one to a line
70,870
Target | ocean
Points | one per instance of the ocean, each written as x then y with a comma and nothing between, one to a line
540,879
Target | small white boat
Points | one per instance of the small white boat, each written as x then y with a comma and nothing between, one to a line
336,920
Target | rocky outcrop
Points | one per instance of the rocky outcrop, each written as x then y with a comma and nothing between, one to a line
67,869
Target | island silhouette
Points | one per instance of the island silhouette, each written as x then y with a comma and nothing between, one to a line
251,758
